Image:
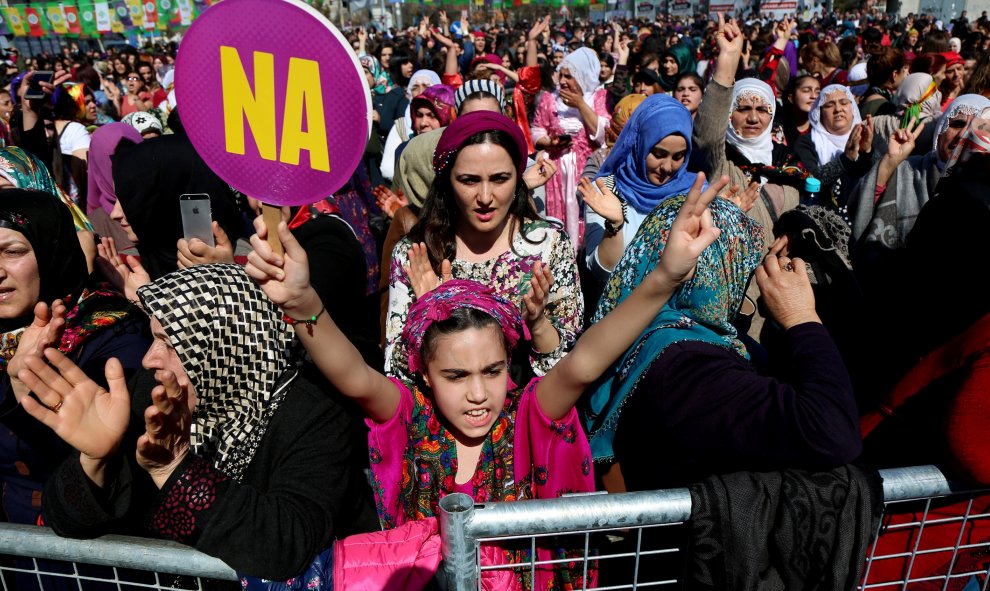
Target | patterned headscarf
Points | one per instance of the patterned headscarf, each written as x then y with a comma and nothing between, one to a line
621,115
967,104
918,97
144,122
658,116
474,86
700,310
371,63
759,149
76,95
827,144
441,303
233,345
439,99
25,171
466,126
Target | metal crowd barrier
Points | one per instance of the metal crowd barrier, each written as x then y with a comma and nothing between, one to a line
929,537
934,535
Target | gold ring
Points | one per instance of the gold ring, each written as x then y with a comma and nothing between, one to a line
57,406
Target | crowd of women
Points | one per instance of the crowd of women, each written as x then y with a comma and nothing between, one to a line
620,256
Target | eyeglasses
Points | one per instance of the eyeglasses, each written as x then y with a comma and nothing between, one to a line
129,78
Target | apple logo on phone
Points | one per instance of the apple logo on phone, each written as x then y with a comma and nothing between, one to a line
196,210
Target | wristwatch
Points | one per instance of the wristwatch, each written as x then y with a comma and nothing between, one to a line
611,229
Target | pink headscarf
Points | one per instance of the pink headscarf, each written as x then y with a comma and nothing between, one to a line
102,147
441,303
466,126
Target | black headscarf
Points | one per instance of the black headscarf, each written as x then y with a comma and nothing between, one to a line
47,225
149,177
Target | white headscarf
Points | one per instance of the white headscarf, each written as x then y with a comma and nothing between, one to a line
858,79
828,145
759,149
912,89
967,104
584,65
432,79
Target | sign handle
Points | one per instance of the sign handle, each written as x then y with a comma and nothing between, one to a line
272,216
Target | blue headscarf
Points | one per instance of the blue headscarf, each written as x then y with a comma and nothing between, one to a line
700,310
657,117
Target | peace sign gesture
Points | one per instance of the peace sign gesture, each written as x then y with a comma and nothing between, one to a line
901,142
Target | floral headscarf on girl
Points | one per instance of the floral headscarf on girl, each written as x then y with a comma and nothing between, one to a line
700,310
827,144
439,99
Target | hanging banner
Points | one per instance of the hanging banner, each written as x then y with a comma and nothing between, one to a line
36,27
681,7
122,15
4,29
15,21
645,10
282,114
778,9
72,20
56,19
136,9
102,16
149,13
731,8
185,12
87,18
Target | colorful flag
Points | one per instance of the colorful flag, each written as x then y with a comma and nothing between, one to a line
36,27
56,20
122,15
72,21
87,18
102,16
136,8
168,11
15,21
185,12
150,14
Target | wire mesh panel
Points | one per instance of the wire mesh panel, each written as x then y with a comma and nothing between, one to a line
934,543
34,558
933,536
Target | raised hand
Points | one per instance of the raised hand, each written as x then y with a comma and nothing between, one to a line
623,51
197,252
692,232
902,141
866,137
782,30
744,199
601,200
422,278
165,442
536,299
540,173
729,37
125,275
539,27
442,39
44,332
285,278
76,408
853,143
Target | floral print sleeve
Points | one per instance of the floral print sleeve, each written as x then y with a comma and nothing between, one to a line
400,297
565,307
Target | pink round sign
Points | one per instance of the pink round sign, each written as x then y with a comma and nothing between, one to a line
273,99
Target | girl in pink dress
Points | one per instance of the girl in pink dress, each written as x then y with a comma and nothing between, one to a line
460,424
570,124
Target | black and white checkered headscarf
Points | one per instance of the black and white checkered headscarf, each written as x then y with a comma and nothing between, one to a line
233,345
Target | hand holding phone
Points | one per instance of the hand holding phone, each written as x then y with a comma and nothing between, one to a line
35,91
197,218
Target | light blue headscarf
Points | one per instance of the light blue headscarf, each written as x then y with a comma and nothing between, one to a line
657,117
700,310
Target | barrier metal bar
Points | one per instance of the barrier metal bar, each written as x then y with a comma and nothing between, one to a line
120,551
463,524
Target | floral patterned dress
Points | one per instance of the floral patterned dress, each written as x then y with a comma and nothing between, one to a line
508,274
526,456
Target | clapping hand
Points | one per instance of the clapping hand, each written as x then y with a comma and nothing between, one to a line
44,332
165,442
125,275
535,300
601,200
540,173
744,199
388,201
422,278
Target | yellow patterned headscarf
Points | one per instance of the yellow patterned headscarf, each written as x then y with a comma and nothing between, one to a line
623,111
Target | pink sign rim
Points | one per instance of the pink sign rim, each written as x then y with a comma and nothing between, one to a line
320,19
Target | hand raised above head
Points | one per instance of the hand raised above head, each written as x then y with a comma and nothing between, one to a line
691,233
283,278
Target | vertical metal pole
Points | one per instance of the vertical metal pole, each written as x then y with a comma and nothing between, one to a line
459,548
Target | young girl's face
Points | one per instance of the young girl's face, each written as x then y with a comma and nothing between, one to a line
468,376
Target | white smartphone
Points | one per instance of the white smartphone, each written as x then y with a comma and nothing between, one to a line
197,218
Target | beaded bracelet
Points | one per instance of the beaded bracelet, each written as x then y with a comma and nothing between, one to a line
309,322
